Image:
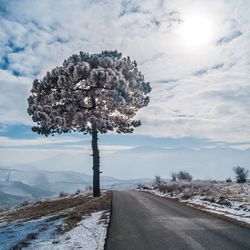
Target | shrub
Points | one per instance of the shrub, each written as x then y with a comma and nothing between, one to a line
63,194
163,188
174,176
187,195
225,203
88,188
183,175
241,174
158,180
172,187
25,203
78,191
209,198
229,179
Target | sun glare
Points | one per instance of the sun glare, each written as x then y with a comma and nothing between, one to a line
196,30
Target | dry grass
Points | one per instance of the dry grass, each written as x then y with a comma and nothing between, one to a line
76,214
235,191
187,189
63,207
72,208
220,192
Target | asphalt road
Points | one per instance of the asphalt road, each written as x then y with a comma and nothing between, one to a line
142,221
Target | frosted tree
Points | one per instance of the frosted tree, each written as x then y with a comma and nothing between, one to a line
91,94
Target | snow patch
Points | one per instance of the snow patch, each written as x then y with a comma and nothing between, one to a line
90,234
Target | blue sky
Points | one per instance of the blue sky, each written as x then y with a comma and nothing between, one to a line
195,54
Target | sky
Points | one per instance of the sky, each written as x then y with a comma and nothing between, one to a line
195,54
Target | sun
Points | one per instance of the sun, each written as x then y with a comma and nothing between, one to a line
196,30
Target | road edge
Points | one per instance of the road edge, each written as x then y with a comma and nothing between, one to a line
110,218
237,222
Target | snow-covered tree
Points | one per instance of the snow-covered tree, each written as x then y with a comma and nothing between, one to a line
89,93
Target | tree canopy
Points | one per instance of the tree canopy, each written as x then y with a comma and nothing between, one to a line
105,90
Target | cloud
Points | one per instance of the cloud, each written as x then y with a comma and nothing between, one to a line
218,66
201,93
14,91
111,148
214,107
229,38
226,146
241,146
206,70
200,72
58,144
8,142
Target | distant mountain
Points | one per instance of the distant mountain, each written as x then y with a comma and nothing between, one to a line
9,200
21,189
15,192
35,184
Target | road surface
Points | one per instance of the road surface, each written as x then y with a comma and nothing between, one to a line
142,221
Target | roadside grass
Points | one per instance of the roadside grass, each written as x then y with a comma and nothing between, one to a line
186,190
226,198
84,203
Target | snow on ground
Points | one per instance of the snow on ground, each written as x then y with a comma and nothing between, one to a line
89,234
61,223
12,234
227,199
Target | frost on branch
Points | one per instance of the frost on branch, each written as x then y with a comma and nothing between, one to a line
103,89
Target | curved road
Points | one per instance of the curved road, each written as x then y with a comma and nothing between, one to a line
142,221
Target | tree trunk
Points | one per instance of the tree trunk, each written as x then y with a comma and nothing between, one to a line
96,163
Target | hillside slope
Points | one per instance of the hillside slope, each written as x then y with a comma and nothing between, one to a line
78,221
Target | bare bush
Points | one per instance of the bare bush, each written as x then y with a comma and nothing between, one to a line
187,195
188,189
241,174
210,199
158,180
63,194
183,175
78,191
162,188
25,203
225,203
88,188
229,179
174,176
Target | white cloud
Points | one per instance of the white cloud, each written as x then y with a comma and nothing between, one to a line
7,142
110,148
241,146
211,105
236,146
13,98
115,147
